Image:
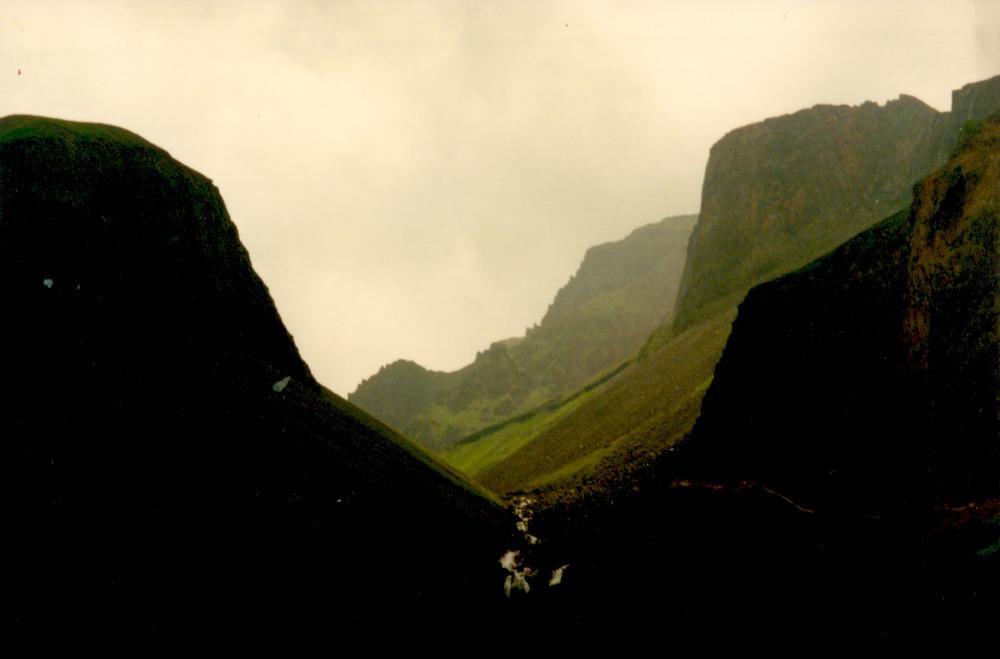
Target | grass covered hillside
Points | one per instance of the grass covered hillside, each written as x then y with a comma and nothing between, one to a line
616,428
599,319
843,478
170,462
600,440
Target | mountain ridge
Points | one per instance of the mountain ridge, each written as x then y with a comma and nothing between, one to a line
665,386
597,320
902,361
777,193
846,457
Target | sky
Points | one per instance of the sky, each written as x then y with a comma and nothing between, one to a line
417,178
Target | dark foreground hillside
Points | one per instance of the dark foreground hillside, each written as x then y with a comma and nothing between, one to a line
168,460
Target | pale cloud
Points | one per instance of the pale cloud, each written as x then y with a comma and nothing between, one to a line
987,37
418,178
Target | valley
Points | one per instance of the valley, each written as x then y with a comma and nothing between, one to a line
786,405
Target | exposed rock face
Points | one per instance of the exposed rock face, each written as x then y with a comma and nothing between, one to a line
868,381
169,457
622,291
779,193
975,100
951,321
847,456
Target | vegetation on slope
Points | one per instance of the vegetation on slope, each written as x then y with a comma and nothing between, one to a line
478,451
621,292
770,204
846,458
865,385
632,418
779,193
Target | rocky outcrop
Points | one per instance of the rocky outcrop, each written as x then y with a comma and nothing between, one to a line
779,193
975,101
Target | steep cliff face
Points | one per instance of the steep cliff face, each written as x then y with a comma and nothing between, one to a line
975,101
951,321
868,381
777,195
781,192
621,292
169,459
847,455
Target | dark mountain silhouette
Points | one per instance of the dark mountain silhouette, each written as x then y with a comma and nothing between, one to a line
600,318
169,460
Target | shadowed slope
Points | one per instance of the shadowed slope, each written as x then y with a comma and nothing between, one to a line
169,459
869,380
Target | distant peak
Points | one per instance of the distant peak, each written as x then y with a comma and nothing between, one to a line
907,99
403,364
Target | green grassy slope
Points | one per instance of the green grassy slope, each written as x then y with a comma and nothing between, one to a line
770,204
621,292
621,426
488,446
647,409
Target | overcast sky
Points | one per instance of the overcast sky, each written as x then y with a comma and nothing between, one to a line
418,178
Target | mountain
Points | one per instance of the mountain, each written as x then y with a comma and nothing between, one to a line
843,478
621,292
780,192
870,380
169,460
776,195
